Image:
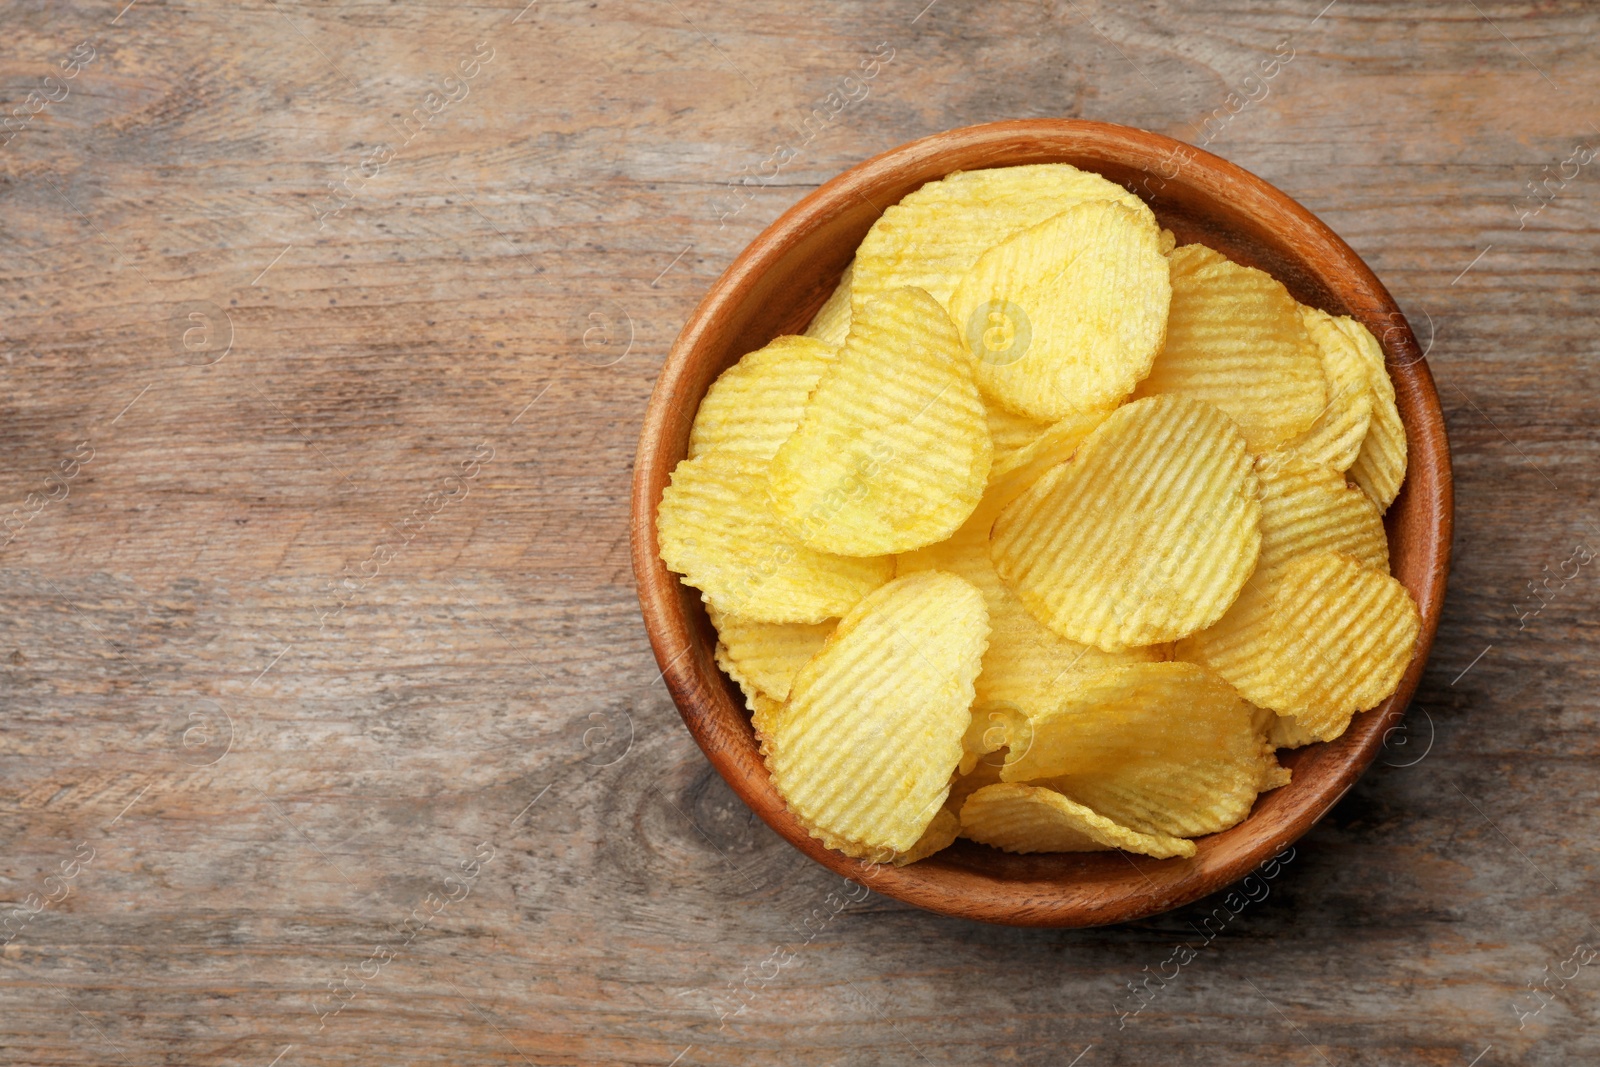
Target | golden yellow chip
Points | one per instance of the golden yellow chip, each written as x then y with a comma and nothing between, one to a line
864,749
755,405
1115,718
941,833
893,450
1066,316
1235,339
1010,432
1307,509
718,531
1380,467
763,657
1027,818
1145,537
831,324
1328,638
1186,799
934,235
1334,439
762,709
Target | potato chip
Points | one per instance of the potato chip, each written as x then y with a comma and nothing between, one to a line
1066,316
731,669
764,656
1146,536
1380,467
1168,242
1185,799
941,833
1329,637
1307,509
1010,432
831,324
864,749
893,450
1334,439
1027,818
717,531
934,235
1117,716
755,405
1235,339
762,709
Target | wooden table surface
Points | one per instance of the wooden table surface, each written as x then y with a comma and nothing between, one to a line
331,734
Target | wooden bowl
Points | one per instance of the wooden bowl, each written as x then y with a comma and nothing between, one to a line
781,279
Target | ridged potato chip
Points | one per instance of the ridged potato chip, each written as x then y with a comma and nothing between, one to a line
1305,509
1184,798
1334,439
1132,715
755,405
1066,316
1197,798
1380,467
1010,432
941,833
831,323
893,450
1145,537
1329,638
763,657
864,750
1028,818
762,709
1235,339
934,235
718,531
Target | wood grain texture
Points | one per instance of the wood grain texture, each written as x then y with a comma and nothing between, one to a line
545,237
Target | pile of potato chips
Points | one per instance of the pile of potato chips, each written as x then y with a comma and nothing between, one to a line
1048,533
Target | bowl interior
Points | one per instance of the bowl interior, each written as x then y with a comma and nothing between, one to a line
775,287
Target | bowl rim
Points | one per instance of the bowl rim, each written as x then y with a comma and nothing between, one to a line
966,895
